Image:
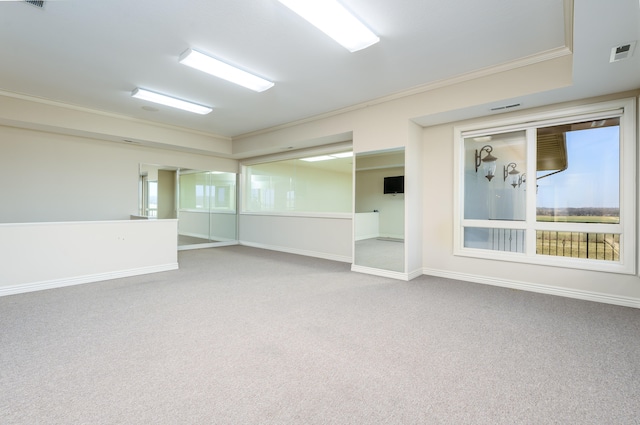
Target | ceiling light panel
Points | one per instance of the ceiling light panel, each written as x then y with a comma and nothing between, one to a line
328,157
333,19
163,99
215,67
317,158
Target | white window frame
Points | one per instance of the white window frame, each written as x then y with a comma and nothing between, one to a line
626,109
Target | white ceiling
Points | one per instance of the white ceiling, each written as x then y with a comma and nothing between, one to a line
92,54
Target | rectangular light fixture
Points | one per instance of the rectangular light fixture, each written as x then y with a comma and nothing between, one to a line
317,158
213,66
163,99
333,19
327,157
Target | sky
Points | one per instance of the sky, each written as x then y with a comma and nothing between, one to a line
592,179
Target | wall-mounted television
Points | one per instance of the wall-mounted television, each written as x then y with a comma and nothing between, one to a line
394,184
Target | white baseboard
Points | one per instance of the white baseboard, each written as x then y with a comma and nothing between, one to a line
206,245
78,280
368,236
414,274
206,237
316,254
543,289
381,272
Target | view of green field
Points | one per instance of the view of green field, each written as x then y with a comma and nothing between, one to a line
579,219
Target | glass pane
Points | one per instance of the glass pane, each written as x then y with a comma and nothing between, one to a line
318,184
207,190
494,176
597,246
578,172
510,240
152,199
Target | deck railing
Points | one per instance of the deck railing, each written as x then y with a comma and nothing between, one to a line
598,246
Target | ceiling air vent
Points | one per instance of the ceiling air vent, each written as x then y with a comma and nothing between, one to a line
35,3
624,51
501,108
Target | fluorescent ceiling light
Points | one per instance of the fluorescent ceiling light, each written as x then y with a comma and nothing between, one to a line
222,70
327,157
333,19
170,101
317,158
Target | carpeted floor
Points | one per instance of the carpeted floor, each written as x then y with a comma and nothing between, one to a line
386,254
241,335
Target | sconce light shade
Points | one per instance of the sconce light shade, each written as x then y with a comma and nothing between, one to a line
488,162
522,179
510,171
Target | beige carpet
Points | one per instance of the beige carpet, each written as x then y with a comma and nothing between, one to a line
246,336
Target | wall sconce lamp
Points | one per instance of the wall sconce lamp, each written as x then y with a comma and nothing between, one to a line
522,179
510,171
488,162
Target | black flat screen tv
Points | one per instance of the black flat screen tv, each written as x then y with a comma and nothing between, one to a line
394,184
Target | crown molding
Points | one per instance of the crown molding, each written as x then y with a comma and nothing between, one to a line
423,88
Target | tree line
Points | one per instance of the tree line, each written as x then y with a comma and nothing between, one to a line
579,212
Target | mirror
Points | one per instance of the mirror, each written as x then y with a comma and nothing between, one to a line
204,202
379,210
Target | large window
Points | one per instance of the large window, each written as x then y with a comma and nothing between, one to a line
558,189
207,191
309,185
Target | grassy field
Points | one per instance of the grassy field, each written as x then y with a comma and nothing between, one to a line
579,219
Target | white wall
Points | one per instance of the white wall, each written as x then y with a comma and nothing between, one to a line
369,197
322,237
49,255
53,177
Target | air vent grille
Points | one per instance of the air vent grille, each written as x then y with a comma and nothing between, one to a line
35,3
501,108
624,51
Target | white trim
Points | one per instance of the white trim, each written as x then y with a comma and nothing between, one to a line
480,73
74,223
384,273
71,107
208,211
415,273
341,216
204,236
207,245
78,280
592,111
288,155
542,289
315,254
